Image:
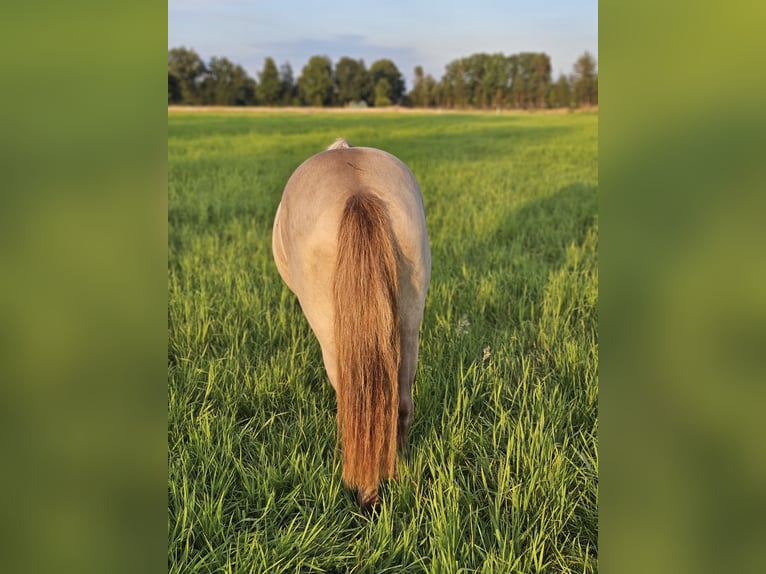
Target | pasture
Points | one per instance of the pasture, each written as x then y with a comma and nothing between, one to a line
502,473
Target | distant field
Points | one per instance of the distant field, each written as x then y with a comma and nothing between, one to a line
385,110
503,469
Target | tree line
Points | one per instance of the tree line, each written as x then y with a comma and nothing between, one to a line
521,81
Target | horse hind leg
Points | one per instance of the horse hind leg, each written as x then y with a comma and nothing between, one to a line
405,418
409,363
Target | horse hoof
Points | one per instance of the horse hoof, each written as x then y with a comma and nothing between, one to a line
368,502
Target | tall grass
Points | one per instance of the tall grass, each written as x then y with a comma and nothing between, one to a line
503,468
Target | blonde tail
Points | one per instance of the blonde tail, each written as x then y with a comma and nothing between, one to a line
367,338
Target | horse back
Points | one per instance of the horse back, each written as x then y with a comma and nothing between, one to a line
312,205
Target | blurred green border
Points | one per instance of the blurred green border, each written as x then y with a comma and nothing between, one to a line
84,305
683,310
683,304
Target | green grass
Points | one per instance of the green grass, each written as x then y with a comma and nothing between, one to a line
503,469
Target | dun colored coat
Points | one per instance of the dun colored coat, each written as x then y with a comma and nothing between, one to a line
350,241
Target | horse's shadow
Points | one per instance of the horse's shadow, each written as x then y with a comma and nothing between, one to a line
531,240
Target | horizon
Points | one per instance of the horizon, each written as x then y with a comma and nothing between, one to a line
247,33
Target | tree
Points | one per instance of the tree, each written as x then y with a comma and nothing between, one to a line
480,80
227,84
594,93
174,89
539,79
351,81
269,86
474,67
585,81
386,69
560,95
439,94
454,84
418,96
315,84
496,79
521,79
423,94
529,79
430,91
188,68
382,93
486,79
287,90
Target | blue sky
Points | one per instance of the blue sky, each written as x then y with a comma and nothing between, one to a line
410,32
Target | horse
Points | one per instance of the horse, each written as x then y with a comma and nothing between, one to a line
350,241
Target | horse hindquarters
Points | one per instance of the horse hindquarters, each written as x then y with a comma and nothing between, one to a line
366,326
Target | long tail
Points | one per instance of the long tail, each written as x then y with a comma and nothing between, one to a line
367,339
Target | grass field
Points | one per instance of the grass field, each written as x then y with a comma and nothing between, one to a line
503,469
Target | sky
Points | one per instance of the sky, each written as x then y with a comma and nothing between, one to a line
430,33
